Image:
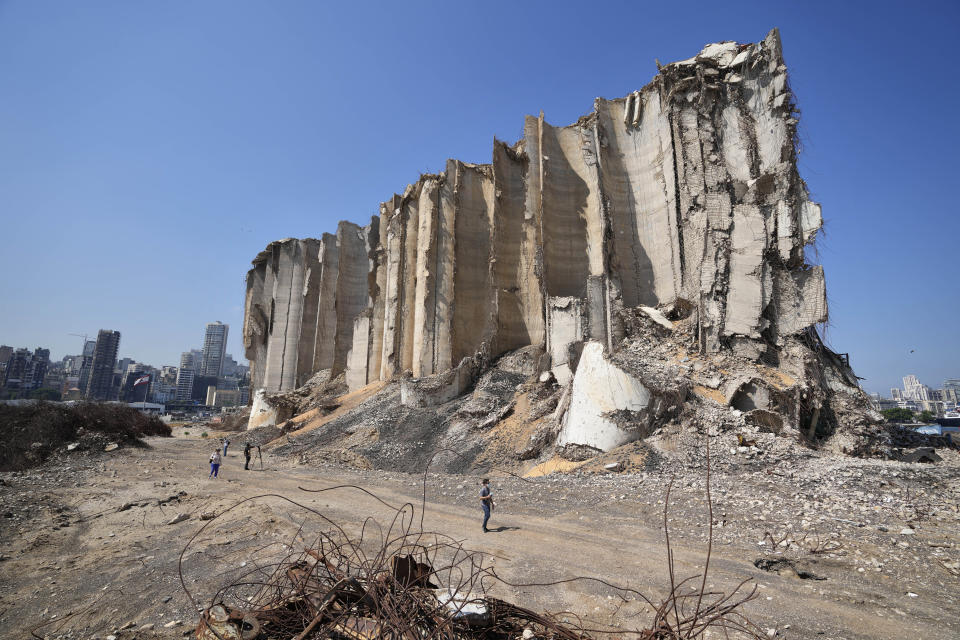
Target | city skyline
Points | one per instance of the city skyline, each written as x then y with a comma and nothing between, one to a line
98,374
192,153
210,360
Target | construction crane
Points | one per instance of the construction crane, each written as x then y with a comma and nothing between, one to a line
85,337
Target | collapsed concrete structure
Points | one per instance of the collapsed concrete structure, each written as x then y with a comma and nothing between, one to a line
683,196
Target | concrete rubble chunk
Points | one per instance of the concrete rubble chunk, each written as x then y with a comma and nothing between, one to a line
722,53
657,317
599,389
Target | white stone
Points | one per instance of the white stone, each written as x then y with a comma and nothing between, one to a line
562,373
740,58
811,220
600,387
722,53
657,317
262,413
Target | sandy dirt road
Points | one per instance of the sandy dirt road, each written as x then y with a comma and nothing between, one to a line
88,551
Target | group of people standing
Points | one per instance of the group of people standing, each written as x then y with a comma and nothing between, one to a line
486,496
216,459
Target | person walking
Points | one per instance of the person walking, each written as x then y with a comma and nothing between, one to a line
215,464
486,502
226,443
246,454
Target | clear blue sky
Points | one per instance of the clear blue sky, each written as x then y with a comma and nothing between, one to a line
148,150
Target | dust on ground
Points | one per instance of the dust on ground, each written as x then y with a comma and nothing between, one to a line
838,547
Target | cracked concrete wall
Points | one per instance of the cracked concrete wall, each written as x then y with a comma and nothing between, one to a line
638,183
686,189
256,320
311,306
352,295
284,276
519,299
425,294
326,331
473,296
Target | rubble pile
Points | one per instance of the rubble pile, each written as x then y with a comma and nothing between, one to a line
32,433
316,597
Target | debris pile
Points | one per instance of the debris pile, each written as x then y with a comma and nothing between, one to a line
33,432
315,597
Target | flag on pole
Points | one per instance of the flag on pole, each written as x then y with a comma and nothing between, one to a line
142,380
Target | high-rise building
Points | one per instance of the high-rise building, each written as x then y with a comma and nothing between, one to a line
16,369
71,365
25,370
184,383
214,349
100,383
87,359
191,360
190,365
39,365
896,394
122,365
230,366
168,375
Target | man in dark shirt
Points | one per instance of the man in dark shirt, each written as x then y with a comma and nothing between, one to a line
486,502
246,454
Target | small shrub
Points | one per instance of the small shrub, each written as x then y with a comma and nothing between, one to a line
186,433
203,435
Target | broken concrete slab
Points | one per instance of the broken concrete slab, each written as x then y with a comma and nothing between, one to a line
657,317
599,389
437,389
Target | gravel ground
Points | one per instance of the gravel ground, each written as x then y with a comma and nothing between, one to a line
838,547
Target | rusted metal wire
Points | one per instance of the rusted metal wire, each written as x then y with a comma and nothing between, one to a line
397,581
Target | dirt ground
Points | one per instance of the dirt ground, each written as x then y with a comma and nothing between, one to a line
90,548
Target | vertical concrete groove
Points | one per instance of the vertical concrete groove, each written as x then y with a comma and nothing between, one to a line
676,195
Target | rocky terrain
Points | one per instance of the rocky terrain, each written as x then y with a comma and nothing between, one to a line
837,547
